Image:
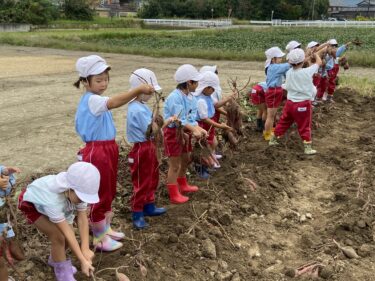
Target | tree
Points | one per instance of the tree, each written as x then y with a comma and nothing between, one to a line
78,10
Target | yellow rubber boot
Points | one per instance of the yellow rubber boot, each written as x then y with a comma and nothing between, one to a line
267,135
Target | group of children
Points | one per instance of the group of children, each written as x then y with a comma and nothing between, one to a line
191,111
304,80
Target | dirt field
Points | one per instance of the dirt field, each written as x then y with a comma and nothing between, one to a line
226,232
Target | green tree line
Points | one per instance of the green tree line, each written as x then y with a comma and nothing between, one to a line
241,9
43,11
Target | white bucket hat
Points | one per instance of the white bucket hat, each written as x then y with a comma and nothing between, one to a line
84,179
143,76
91,65
332,42
186,72
296,56
312,44
209,68
209,79
271,53
292,45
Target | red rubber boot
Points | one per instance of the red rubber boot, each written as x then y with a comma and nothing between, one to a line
185,187
174,194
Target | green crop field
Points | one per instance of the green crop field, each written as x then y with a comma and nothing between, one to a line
233,44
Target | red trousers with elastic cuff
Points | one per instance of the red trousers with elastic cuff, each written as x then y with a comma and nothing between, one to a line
322,87
257,95
316,80
332,74
274,97
299,112
210,130
144,169
104,156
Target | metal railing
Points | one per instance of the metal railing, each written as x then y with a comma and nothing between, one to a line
189,23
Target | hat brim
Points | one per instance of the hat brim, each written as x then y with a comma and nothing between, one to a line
100,69
200,89
157,88
197,77
87,198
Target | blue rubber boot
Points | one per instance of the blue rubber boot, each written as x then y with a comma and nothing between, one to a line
202,171
139,220
151,210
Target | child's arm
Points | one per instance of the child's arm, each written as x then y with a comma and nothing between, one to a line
222,111
197,131
121,99
224,101
217,125
83,226
68,233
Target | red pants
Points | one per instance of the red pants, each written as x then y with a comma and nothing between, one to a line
332,74
173,146
210,130
322,87
256,95
104,156
299,112
28,209
274,97
144,169
316,79
216,117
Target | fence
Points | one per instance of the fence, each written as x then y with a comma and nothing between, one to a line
316,23
14,27
189,23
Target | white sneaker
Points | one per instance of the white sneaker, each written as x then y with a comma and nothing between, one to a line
324,98
217,166
218,156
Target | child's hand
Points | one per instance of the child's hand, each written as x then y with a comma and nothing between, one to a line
4,182
13,170
86,268
172,119
88,254
226,127
146,89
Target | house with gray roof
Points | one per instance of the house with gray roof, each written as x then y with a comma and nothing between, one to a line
350,9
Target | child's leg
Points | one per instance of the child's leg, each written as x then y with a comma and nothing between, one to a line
302,114
286,120
174,163
271,114
3,270
55,236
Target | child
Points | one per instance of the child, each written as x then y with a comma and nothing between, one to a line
49,203
95,126
257,98
181,103
208,84
333,65
144,165
219,102
292,45
274,95
301,92
7,182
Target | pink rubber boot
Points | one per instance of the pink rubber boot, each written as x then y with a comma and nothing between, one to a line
102,241
52,263
115,235
64,271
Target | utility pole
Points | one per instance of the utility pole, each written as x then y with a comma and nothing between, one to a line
313,10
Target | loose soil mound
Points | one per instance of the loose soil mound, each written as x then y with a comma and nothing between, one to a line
228,232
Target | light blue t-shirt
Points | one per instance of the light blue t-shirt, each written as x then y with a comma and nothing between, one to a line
94,126
49,199
11,183
275,74
181,105
139,116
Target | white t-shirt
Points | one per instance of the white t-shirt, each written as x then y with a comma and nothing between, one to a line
299,83
98,104
216,96
202,109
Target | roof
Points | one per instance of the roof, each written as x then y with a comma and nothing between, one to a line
344,3
366,3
